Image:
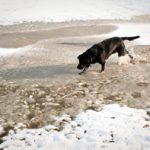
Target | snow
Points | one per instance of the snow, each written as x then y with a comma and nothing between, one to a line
133,29
124,60
16,11
113,127
6,52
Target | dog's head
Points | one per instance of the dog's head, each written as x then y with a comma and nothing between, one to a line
84,60
89,56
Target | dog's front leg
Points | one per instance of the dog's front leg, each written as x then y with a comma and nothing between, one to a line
83,71
103,66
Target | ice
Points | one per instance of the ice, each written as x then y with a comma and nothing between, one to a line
16,11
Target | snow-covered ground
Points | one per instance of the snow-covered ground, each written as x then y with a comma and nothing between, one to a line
112,128
15,11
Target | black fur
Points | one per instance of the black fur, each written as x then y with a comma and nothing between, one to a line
100,52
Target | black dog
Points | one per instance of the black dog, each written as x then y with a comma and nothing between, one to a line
100,52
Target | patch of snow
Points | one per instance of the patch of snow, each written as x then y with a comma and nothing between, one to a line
6,52
133,29
124,60
113,127
55,11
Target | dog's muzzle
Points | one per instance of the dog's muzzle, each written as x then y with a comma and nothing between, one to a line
80,67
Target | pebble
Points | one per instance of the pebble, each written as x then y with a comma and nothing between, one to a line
20,126
114,97
148,111
34,122
83,84
30,101
143,83
53,104
136,94
11,132
2,131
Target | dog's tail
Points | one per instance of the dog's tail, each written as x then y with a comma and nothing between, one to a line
130,38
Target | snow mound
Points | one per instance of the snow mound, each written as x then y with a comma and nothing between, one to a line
112,128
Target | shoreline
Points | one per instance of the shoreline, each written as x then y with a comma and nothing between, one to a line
41,25
18,39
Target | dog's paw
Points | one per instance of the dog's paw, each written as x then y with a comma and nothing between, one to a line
102,72
80,73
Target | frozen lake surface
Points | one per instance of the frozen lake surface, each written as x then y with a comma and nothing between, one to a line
17,11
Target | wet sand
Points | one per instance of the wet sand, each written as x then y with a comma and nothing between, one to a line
20,39
43,81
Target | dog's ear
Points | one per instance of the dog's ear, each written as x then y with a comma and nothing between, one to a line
79,57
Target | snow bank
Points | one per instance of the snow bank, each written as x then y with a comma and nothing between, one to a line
112,128
12,11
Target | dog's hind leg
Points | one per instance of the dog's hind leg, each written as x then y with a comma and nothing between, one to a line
121,50
129,55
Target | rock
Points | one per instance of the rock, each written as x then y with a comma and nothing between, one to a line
13,87
20,126
146,126
30,100
25,103
30,96
6,128
49,99
143,83
136,94
2,131
34,123
11,132
41,94
30,114
114,97
53,104
83,84
39,112
148,111
101,97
